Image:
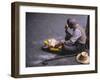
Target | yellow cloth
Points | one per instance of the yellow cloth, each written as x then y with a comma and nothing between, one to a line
46,42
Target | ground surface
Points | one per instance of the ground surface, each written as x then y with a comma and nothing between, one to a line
37,56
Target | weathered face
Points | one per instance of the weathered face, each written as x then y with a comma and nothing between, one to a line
70,25
71,22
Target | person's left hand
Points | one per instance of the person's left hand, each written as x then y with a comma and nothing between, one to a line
62,41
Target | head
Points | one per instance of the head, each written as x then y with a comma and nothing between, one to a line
71,22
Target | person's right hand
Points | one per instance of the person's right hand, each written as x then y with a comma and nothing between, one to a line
66,26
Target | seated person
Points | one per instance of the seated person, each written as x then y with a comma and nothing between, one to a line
76,41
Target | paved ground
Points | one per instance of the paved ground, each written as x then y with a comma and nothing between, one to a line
37,56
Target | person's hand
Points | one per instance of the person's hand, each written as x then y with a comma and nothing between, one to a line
62,41
66,26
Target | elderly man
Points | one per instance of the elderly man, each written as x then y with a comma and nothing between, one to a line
74,42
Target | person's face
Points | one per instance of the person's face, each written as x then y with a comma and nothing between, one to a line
70,25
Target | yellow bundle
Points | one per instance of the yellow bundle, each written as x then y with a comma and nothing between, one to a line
52,44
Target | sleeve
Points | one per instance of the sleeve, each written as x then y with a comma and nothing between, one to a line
68,42
76,35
